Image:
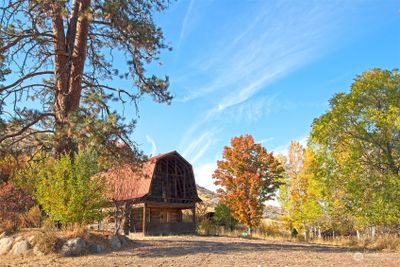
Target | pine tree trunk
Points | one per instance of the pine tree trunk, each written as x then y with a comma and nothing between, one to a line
70,54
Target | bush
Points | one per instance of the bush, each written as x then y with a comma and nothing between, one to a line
223,216
8,164
270,229
386,242
68,190
46,240
14,202
206,227
76,231
32,218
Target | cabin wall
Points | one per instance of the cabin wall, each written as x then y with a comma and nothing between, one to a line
171,228
162,221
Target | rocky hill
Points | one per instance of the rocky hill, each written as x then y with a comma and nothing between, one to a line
209,197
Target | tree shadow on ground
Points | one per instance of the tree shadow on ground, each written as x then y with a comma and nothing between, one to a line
176,248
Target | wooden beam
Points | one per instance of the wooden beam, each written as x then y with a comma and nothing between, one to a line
176,173
171,205
167,182
194,215
184,183
144,218
132,227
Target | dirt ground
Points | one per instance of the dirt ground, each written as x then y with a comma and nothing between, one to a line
217,251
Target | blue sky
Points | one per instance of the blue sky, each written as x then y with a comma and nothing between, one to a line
259,67
266,68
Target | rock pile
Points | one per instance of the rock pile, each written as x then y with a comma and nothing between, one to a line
21,245
14,246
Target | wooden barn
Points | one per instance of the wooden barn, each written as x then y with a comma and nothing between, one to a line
159,197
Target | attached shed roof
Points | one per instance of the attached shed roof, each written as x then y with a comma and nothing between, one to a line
128,182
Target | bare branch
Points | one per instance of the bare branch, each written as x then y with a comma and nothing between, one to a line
20,80
27,126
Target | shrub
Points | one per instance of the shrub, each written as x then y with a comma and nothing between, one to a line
386,242
13,203
32,218
69,191
46,240
75,231
223,216
8,164
206,227
269,229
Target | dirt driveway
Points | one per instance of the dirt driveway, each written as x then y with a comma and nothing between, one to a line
217,251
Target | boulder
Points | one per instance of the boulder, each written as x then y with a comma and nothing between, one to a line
115,242
74,247
96,248
6,244
21,247
124,240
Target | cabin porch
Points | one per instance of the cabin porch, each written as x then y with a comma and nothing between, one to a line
162,218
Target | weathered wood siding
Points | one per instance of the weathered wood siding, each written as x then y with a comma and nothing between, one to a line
173,181
171,228
162,221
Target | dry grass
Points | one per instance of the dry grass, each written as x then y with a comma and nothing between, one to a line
75,231
46,242
47,239
387,243
270,230
9,225
32,218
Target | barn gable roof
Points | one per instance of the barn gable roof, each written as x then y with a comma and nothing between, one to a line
126,182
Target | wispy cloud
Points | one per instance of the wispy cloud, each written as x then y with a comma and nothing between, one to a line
280,38
153,145
196,148
249,111
265,140
185,24
249,57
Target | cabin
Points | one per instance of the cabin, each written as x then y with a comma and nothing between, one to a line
159,196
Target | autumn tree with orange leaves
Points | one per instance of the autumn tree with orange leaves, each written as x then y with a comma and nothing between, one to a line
248,176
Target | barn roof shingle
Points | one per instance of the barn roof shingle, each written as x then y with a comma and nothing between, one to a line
126,182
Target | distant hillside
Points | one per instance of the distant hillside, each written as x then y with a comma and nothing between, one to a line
272,212
211,199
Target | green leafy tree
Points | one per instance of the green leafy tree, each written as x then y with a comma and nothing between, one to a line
248,176
223,216
69,191
358,148
61,54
